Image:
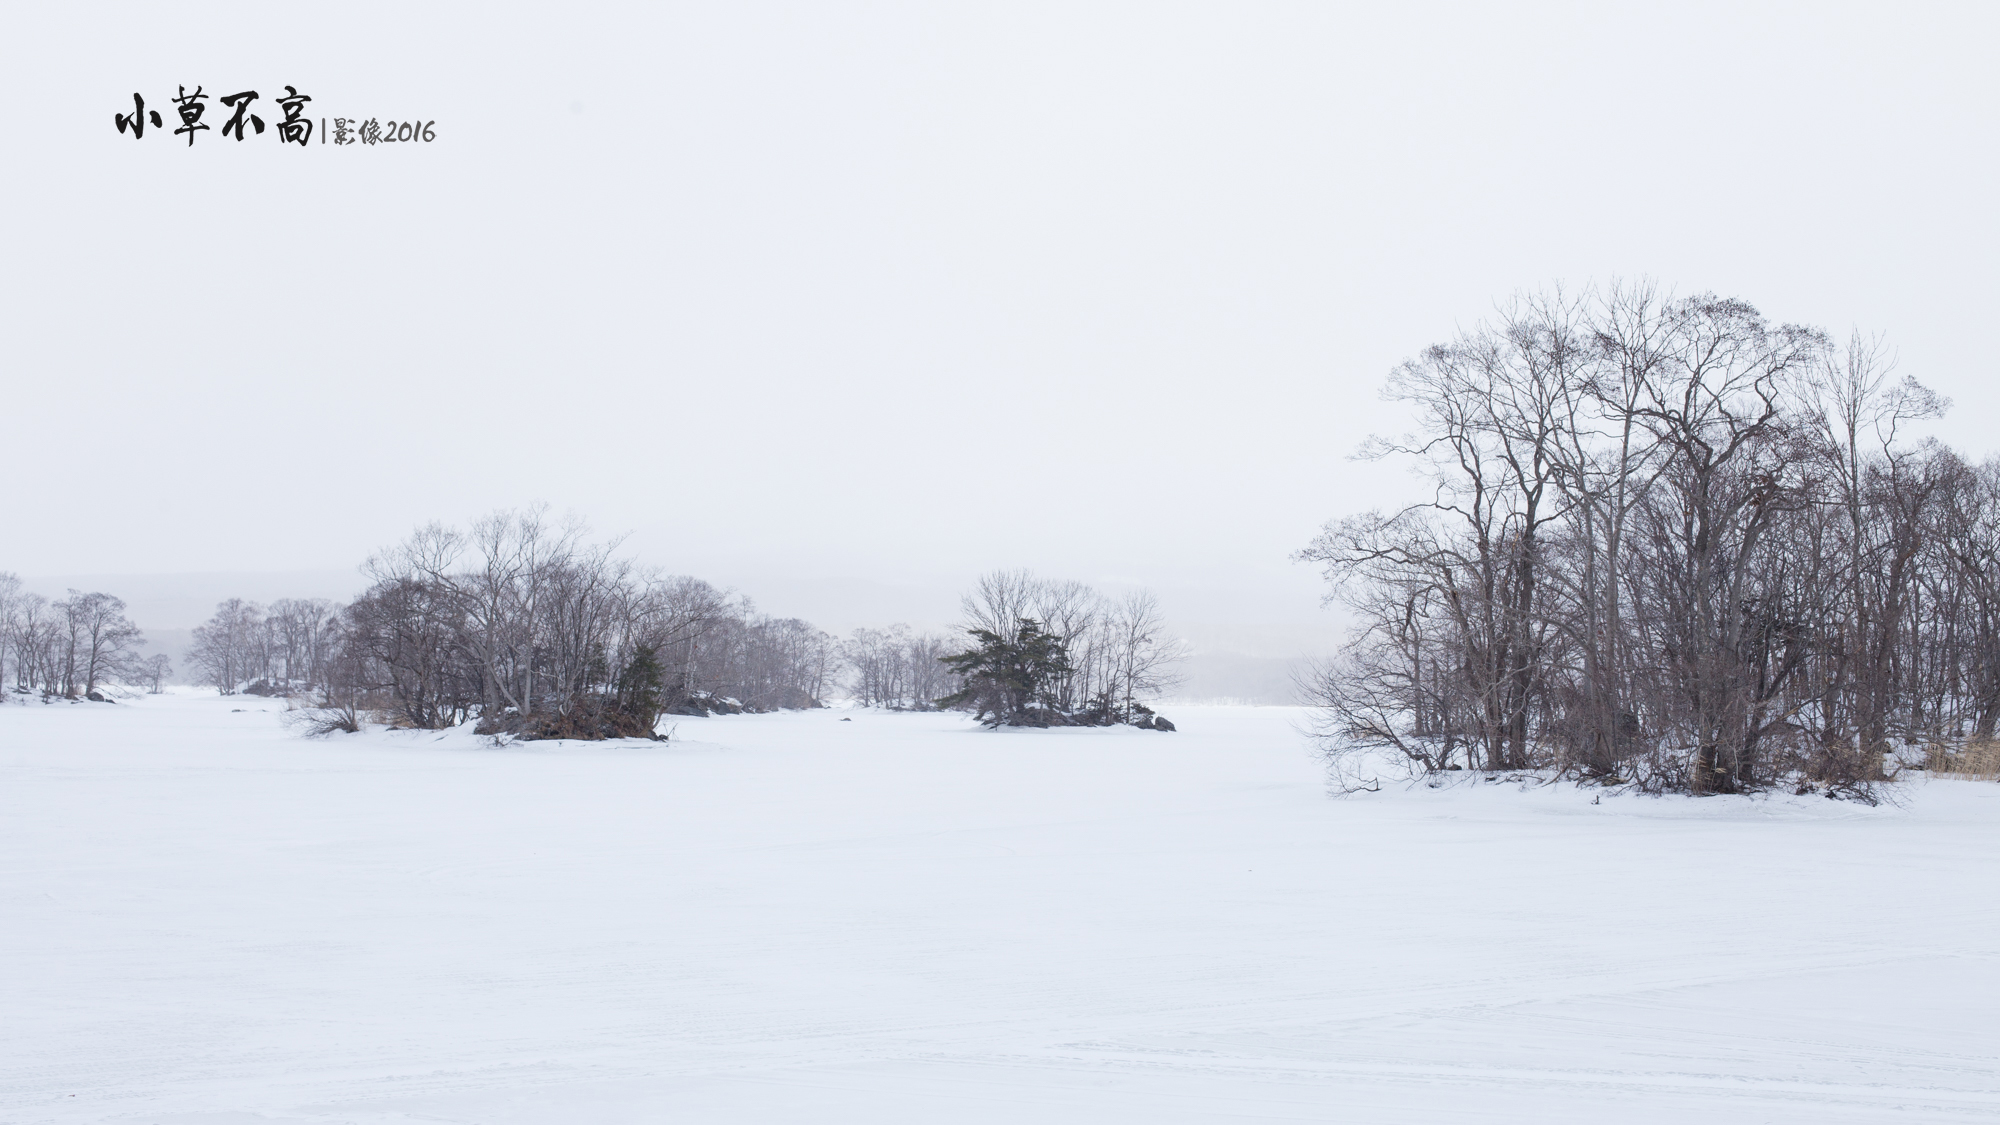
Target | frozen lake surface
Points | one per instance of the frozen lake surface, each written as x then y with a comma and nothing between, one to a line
902,918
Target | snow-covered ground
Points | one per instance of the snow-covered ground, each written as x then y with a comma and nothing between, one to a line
902,918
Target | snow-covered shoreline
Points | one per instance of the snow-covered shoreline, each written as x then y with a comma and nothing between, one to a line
906,918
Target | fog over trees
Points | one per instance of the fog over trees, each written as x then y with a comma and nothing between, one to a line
531,628
68,647
1670,543
896,668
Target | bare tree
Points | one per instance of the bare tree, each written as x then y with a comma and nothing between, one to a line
37,634
305,632
226,650
11,595
99,641
1145,657
155,670
1492,407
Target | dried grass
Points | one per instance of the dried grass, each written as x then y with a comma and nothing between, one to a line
1975,761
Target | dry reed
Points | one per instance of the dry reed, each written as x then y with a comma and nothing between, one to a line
1975,761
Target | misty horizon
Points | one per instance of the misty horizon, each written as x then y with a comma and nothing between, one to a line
776,296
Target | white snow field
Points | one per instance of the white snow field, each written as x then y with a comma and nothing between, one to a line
902,918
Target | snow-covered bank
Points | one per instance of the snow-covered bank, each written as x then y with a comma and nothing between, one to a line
904,918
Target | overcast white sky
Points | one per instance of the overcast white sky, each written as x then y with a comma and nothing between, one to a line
806,297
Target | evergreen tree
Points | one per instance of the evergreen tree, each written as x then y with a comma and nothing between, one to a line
1007,681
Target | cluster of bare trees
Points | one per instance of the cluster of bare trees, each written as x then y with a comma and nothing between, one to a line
69,647
525,625
521,623
287,649
762,663
1670,543
898,668
532,629
1050,651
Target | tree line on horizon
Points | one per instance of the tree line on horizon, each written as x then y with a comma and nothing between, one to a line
1668,543
528,627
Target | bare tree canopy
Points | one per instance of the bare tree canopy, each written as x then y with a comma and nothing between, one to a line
1669,543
